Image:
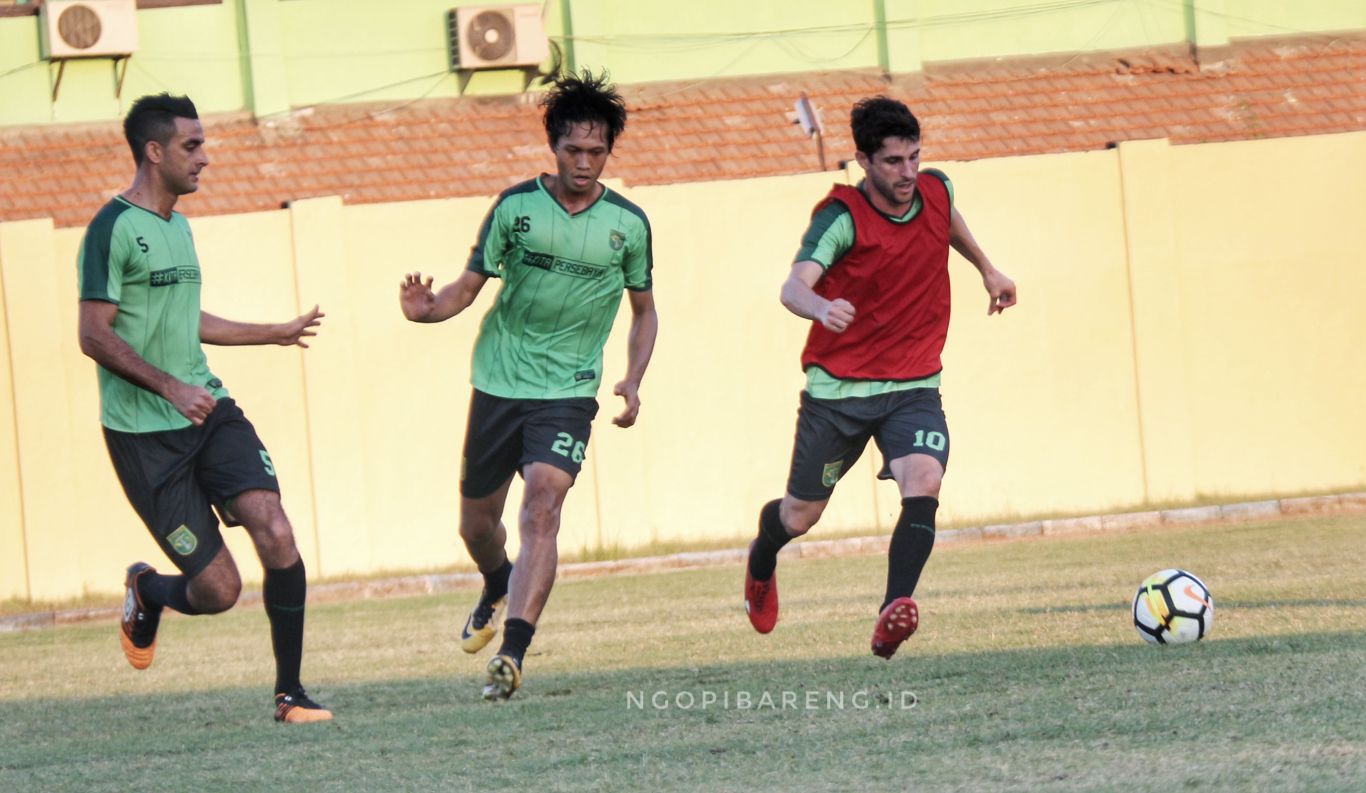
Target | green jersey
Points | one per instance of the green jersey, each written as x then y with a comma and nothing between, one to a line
827,239
146,265
562,277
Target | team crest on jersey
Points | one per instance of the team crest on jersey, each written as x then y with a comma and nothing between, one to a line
831,473
183,541
616,239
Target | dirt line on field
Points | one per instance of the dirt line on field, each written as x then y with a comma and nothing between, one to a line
435,583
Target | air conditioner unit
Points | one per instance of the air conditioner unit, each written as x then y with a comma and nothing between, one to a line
497,37
88,28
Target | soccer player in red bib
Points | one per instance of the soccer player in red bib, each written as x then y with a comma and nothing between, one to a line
872,275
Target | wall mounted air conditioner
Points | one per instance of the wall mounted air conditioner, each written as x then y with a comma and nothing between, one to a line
497,37
88,28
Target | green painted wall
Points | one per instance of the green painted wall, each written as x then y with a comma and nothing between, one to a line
950,30
184,50
647,41
269,56
1215,19
25,95
366,52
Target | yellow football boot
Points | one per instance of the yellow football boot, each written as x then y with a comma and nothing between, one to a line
481,626
504,677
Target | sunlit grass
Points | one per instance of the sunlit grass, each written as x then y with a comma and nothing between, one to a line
1025,675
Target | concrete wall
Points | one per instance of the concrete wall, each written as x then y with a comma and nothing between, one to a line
269,56
1186,329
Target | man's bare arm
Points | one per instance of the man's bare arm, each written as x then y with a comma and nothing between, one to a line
100,343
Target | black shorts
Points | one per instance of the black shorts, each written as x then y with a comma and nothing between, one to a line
174,478
505,435
832,434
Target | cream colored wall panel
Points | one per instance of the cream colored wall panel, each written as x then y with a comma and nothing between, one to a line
13,555
719,403
1271,252
1040,400
1154,271
249,277
1189,306
112,536
80,532
388,397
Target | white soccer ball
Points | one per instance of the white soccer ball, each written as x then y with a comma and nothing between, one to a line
1173,607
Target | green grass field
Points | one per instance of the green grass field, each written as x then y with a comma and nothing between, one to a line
1025,675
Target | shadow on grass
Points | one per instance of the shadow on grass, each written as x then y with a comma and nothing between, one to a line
638,727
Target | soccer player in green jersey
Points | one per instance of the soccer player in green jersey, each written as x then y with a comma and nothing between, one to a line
180,445
565,246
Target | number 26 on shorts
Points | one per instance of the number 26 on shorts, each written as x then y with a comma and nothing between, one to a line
566,446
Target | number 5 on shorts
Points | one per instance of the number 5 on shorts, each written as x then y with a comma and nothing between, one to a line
265,458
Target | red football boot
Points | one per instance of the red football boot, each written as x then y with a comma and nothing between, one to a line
761,600
895,625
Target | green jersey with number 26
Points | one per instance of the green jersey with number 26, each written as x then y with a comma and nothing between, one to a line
563,277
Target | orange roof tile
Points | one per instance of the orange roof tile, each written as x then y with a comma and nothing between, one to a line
721,129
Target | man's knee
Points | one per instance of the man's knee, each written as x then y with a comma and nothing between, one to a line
799,516
213,593
540,516
216,601
264,519
546,488
276,541
475,530
925,482
479,518
918,475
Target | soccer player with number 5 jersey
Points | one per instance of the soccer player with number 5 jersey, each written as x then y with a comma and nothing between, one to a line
180,445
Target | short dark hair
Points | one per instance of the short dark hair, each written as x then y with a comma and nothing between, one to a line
877,118
153,118
575,99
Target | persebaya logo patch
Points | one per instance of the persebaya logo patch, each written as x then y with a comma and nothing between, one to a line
831,473
616,239
183,540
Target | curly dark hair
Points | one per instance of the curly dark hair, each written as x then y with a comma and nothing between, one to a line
877,118
153,118
575,99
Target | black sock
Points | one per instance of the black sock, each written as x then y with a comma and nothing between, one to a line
496,583
912,541
284,593
156,589
772,537
516,638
